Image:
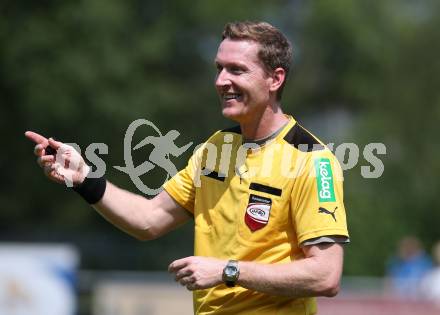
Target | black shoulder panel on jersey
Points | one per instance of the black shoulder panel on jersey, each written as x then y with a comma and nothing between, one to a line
235,129
302,139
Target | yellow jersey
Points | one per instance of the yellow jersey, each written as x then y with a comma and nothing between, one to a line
259,203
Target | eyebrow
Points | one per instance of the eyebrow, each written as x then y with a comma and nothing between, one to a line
230,64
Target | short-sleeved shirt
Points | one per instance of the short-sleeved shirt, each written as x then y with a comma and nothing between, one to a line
260,204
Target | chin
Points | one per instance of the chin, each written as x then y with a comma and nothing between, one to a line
229,113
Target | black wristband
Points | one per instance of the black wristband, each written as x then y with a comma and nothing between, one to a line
91,189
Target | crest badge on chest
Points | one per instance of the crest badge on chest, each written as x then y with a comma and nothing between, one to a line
257,212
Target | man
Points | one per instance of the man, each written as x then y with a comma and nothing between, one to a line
269,227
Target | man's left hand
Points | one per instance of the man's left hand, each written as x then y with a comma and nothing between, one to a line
196,272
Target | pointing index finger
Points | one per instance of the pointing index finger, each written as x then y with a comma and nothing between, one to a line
36,138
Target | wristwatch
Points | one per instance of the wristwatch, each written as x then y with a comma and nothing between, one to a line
231,273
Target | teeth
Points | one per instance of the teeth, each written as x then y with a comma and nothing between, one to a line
230,96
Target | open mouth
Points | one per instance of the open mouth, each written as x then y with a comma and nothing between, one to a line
231,96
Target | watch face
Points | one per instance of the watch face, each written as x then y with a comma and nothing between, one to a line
230,271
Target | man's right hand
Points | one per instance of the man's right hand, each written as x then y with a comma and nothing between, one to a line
65,166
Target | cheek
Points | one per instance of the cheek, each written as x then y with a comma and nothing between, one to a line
260,86
261,91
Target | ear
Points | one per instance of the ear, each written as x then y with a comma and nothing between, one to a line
277,79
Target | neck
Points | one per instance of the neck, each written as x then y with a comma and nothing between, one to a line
264,125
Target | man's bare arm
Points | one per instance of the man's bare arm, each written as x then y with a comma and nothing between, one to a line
317,274
140,217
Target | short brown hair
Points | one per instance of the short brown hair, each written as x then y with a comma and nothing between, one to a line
275,50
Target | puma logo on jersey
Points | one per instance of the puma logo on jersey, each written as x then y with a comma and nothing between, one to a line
324,210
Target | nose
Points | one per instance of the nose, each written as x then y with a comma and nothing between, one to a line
222,79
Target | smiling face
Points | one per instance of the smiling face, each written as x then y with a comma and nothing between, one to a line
245,89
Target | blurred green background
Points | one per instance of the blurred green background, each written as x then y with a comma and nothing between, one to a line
82,71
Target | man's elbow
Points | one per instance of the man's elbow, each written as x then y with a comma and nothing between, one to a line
145,235
330,287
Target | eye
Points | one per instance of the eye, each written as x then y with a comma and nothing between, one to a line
219,68
236,70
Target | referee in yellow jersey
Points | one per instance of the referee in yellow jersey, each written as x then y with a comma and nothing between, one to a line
266,196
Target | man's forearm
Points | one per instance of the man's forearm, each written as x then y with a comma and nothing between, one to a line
143,218
312,276
125,210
